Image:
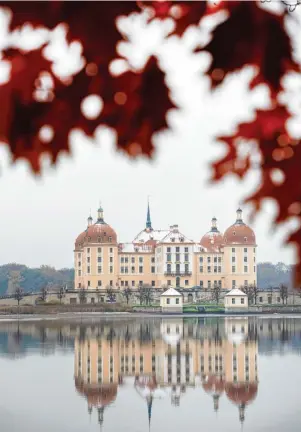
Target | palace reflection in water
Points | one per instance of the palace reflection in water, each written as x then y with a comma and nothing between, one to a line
160,358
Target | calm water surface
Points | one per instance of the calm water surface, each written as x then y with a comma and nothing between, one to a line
177,374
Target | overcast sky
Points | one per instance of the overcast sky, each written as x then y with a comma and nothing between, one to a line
41,217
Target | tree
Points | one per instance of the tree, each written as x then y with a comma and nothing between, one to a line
283,292
110,293
127,293
15,280
249,290
61,293
148,294
135,102
98,294
216,293
140,294
44,294
18,294
82,294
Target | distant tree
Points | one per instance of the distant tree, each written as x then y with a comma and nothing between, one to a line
148,294
82,294
18,294
140,294
255,292
15,280
249,290
44,294
61,293
98,294
216,293
127,294
283,292
110,293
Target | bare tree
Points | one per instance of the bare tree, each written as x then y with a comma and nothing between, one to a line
98,294
127,294
141,294
44,294
216,293
270,292
18,294
255,293
283,291
110,293
148,294
82,294
61,294
249,290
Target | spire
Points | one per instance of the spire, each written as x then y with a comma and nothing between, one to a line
242,413
239,216
100,416
216,402
214,224
90,219
149,410
148,224
100,214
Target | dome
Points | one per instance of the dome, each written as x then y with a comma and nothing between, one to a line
239,233
97,395
213,384
213,239
241,393
99,232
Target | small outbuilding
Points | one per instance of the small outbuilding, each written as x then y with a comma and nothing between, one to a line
171,301
236,301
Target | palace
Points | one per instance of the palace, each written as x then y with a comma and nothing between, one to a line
165,258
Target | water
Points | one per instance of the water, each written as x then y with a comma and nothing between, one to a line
177,374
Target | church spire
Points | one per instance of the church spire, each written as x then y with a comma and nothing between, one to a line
148,224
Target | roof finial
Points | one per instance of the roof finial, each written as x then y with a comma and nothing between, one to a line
239,215
214,224
148,224
100,213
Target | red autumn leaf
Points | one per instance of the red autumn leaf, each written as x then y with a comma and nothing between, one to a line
251,36
135,105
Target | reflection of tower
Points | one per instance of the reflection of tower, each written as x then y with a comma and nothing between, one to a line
146,386
214,385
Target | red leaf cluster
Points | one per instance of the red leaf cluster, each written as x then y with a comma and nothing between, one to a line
135,103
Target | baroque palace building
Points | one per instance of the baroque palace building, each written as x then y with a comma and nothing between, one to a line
163,258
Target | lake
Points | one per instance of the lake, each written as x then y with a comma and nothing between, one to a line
152,374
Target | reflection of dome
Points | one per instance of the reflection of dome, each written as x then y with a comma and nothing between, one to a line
239,233
98,395
213,384
236,338
241,393
237,330
100,232
146,387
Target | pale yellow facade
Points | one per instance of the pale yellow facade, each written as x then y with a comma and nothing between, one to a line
165,258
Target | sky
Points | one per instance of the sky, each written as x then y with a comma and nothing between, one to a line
42,216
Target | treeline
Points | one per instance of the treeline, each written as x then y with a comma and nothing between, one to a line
34,279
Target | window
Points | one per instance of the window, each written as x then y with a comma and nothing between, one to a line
88,259
99,250
111,283
111,269
111,250
79,285
126,283
111,259
220,283
278,299
133,260
168,268
233,250
233,259
99,283
254,269
168,300
186,249
209,284
219,269
126,259
260,299
186,257
215,283
209,269
215,259
178,282
121,269
245,283
246,269
89,283
99,259
233,300
126,269
122,283
233,284
219,259
99,269
186,268
122,259
201,269
178,268
169,282
201,259
133,269
177,257
133,283
245,250
215,269
186,282
141,259
202,284
88,250
88,269
233,269
153,259
153,283
242,300
140,269
177,249
177,301
168,249
208,259
110,239
168,257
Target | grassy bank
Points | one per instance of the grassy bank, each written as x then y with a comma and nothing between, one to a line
52,309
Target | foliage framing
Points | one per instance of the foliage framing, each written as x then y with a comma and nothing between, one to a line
135,103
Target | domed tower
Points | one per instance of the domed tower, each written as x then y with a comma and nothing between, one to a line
96,255
212,241
239,254
214,385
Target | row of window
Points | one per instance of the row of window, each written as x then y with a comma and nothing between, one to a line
215,259
178,267
246,269
216,269
209,284
133,260
169,249
133,270
99,250
178,257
